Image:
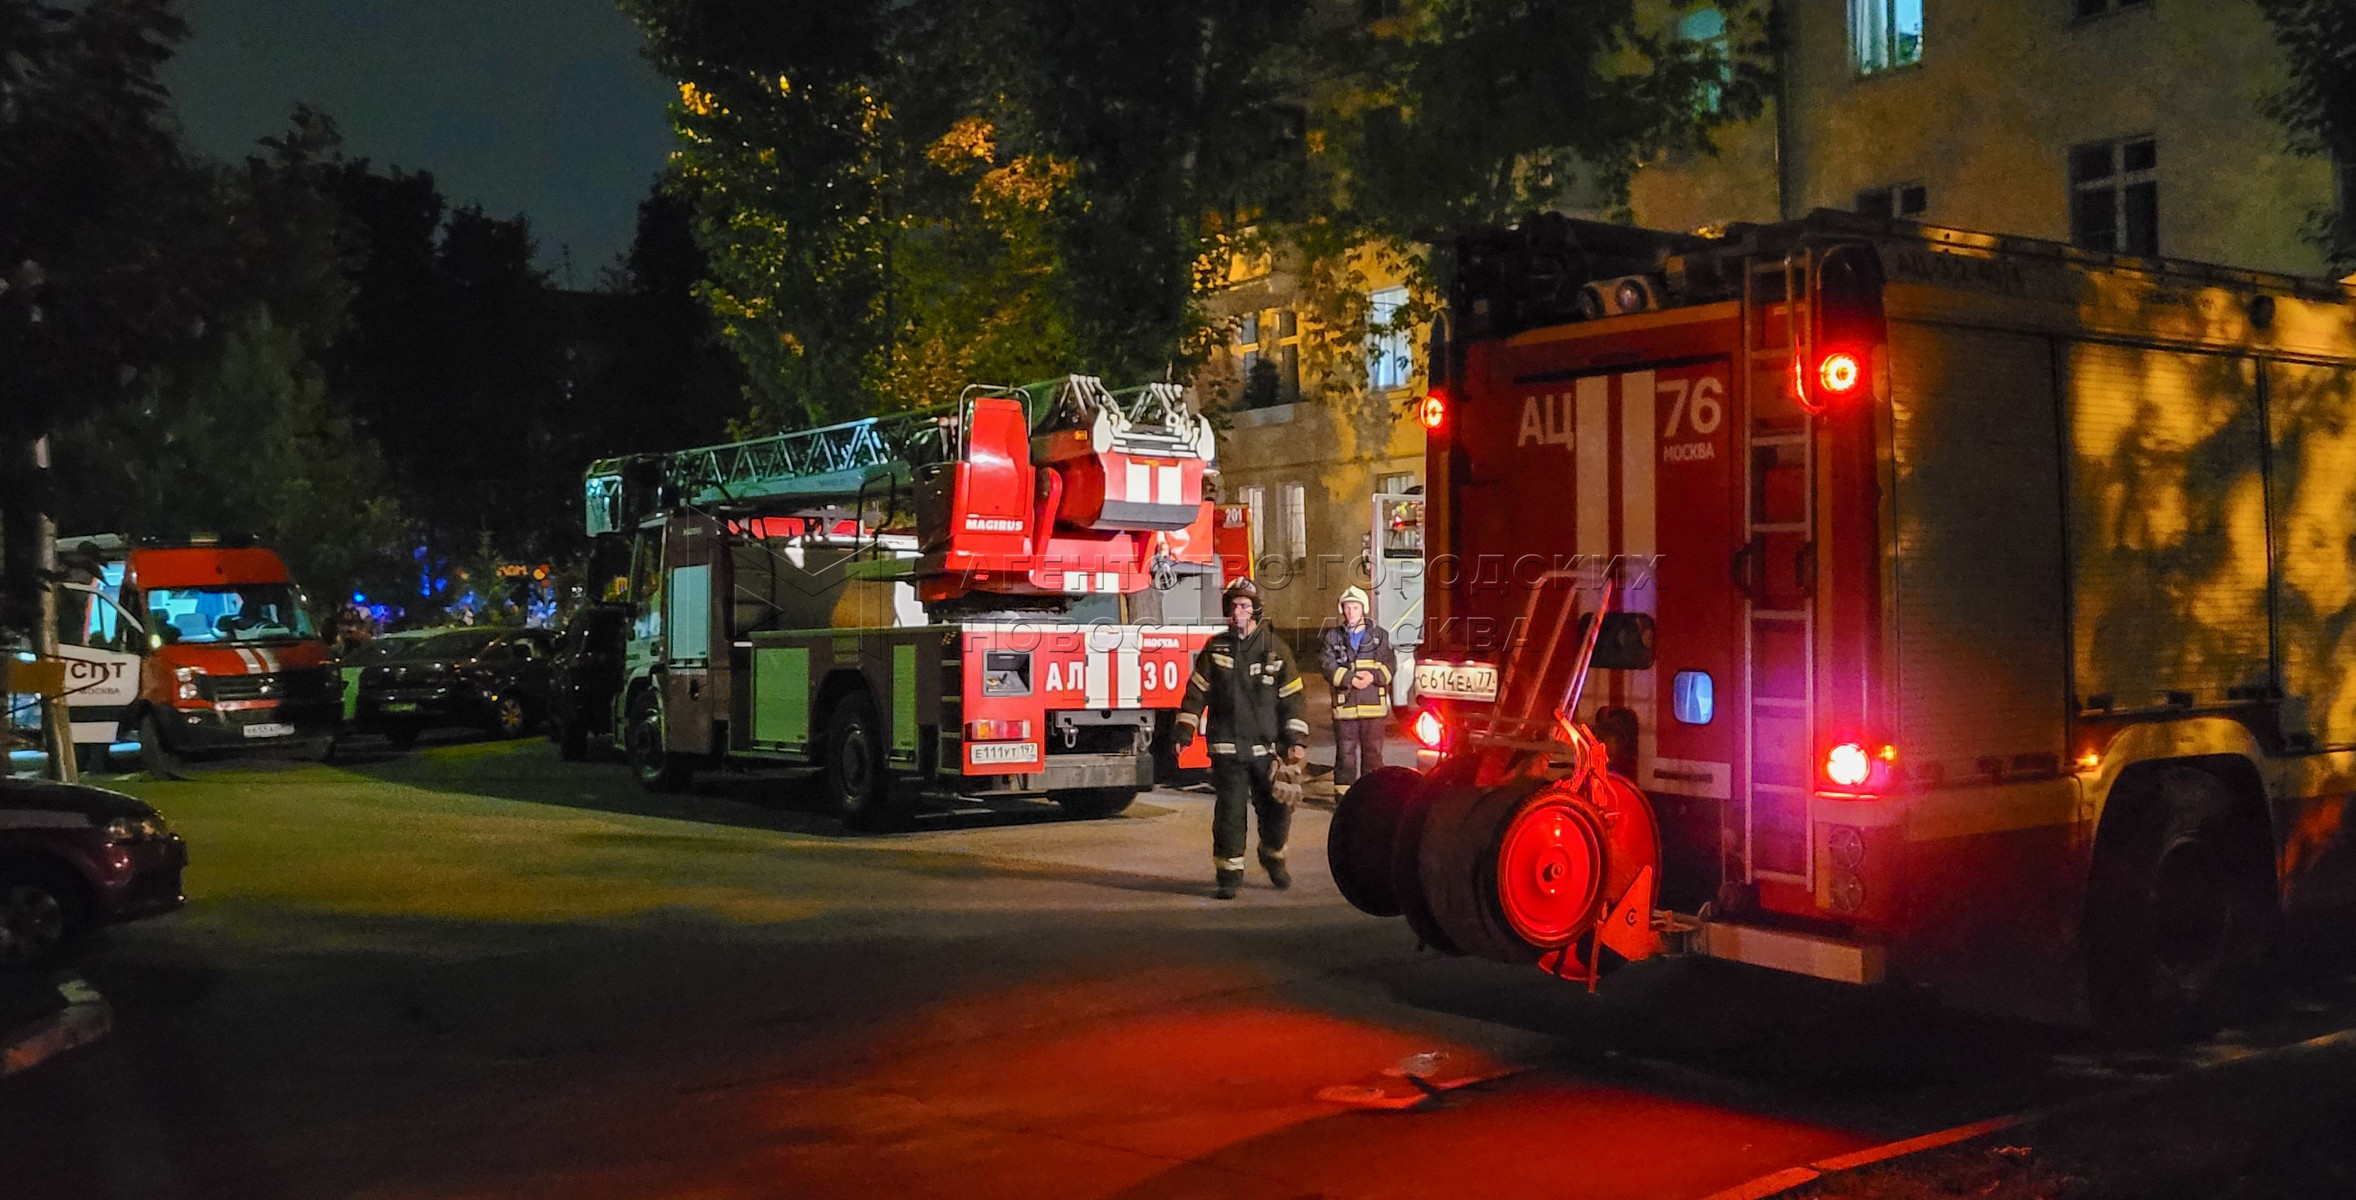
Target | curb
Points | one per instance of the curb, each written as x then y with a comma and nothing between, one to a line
85,1018
1767,1186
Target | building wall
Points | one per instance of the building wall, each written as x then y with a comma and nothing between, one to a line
1986,119
1336,457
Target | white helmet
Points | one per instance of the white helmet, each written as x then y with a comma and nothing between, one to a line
1354,592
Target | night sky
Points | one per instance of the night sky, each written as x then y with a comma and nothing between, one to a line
540,107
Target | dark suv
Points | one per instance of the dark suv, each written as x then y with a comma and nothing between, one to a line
74,857
495,680
586,678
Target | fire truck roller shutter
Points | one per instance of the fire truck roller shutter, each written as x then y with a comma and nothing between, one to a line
2312,491
1978,541
2167,527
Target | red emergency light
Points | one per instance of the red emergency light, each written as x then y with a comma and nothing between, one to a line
1838,376
1839,373
1432,410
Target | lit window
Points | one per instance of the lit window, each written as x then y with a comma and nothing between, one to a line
1885,34
2115,196
1897,200
1705,30
1268,357
1255,504
1390,353
1296,522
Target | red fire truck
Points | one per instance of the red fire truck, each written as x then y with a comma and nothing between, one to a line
1986,615
998,595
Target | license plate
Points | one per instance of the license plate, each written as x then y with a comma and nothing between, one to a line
401,706
1005,752
263,731
1456,681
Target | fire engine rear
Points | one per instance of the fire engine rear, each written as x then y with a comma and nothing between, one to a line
946,599
1980,615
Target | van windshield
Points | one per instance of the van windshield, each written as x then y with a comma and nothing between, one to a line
249,612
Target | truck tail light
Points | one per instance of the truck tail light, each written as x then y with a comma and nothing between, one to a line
1851,765
1429,730
1848,765
998,729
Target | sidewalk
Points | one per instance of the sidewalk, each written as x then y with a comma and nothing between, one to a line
42,1016
2275,1124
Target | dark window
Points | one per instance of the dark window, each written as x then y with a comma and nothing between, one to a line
2343,178
2096,8
1897,200
2115,196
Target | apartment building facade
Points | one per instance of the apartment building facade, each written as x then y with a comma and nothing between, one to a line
2132,126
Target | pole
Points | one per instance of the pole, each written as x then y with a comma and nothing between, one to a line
57,723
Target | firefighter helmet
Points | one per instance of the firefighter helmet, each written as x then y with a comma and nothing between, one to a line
1244,588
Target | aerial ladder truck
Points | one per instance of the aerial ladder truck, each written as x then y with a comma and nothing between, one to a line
996,596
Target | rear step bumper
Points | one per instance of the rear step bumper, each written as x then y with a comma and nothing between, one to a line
1824,957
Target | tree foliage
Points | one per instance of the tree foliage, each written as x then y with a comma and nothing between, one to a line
2317,106
95,185
247,440
899,196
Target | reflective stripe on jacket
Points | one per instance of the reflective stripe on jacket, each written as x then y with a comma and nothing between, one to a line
1248,689
1374,656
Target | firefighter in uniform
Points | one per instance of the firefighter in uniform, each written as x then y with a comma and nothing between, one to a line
1357,659
1244,681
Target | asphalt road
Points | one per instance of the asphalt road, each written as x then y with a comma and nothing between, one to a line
477,971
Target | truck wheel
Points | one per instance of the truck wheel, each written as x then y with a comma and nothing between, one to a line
155,750
43,915
1407,867
658,769
507,719
1363,840
1090,803
858,786
2179,911
1459,864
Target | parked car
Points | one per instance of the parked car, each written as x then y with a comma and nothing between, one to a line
75,857
495,680
586,677
360,656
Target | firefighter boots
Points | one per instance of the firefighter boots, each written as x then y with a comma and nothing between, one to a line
1278,874
1230,882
